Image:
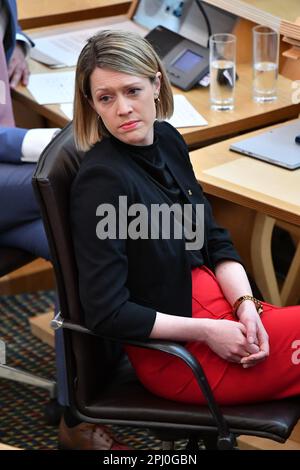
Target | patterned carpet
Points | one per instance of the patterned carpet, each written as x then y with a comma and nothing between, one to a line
22,421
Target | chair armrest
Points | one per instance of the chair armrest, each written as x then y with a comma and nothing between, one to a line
174,349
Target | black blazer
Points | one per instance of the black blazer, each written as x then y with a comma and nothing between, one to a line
123,283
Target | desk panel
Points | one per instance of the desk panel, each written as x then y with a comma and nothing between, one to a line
251,211
267,201
37,13
247,115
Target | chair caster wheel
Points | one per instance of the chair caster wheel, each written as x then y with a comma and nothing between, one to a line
52,412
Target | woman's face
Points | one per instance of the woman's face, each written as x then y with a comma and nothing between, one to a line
125,104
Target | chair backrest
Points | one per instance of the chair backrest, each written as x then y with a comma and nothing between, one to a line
52,182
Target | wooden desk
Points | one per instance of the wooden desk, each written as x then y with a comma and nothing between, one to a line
7,447
247,115
275,13
252,209
280,15
36,13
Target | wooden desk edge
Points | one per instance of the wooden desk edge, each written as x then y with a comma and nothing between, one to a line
79,15
249,198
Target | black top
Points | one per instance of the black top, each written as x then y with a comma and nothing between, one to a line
123,281
151,159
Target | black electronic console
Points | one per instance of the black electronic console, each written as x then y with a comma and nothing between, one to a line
186,61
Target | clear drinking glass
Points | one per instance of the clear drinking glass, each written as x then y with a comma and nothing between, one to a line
222,64
265,63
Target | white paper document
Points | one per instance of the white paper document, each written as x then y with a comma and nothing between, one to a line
64,48
52,88
185,115
67,109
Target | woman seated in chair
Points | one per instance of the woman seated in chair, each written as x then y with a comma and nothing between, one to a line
152,261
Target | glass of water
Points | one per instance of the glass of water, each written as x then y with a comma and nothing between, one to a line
222,64
265,63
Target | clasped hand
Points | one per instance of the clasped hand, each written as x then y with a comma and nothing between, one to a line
245,342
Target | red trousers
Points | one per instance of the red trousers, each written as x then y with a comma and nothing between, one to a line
278,376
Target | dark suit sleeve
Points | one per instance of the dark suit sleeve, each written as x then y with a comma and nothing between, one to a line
25,37
103,263
14,12
11,139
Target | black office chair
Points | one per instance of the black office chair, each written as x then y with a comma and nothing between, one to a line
10,260
99,395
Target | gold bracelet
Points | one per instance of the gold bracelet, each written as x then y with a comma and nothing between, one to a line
240,300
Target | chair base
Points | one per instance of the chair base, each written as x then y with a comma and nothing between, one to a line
21,376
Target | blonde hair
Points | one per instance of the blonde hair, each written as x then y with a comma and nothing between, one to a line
122,51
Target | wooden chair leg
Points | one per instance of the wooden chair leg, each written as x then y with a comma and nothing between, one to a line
290,292
261,258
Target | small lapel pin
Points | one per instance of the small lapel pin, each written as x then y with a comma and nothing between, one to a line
190,192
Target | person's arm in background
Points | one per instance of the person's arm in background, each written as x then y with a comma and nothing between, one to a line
18,70
22,145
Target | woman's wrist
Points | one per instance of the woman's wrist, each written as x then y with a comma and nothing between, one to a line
245,307
247,303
